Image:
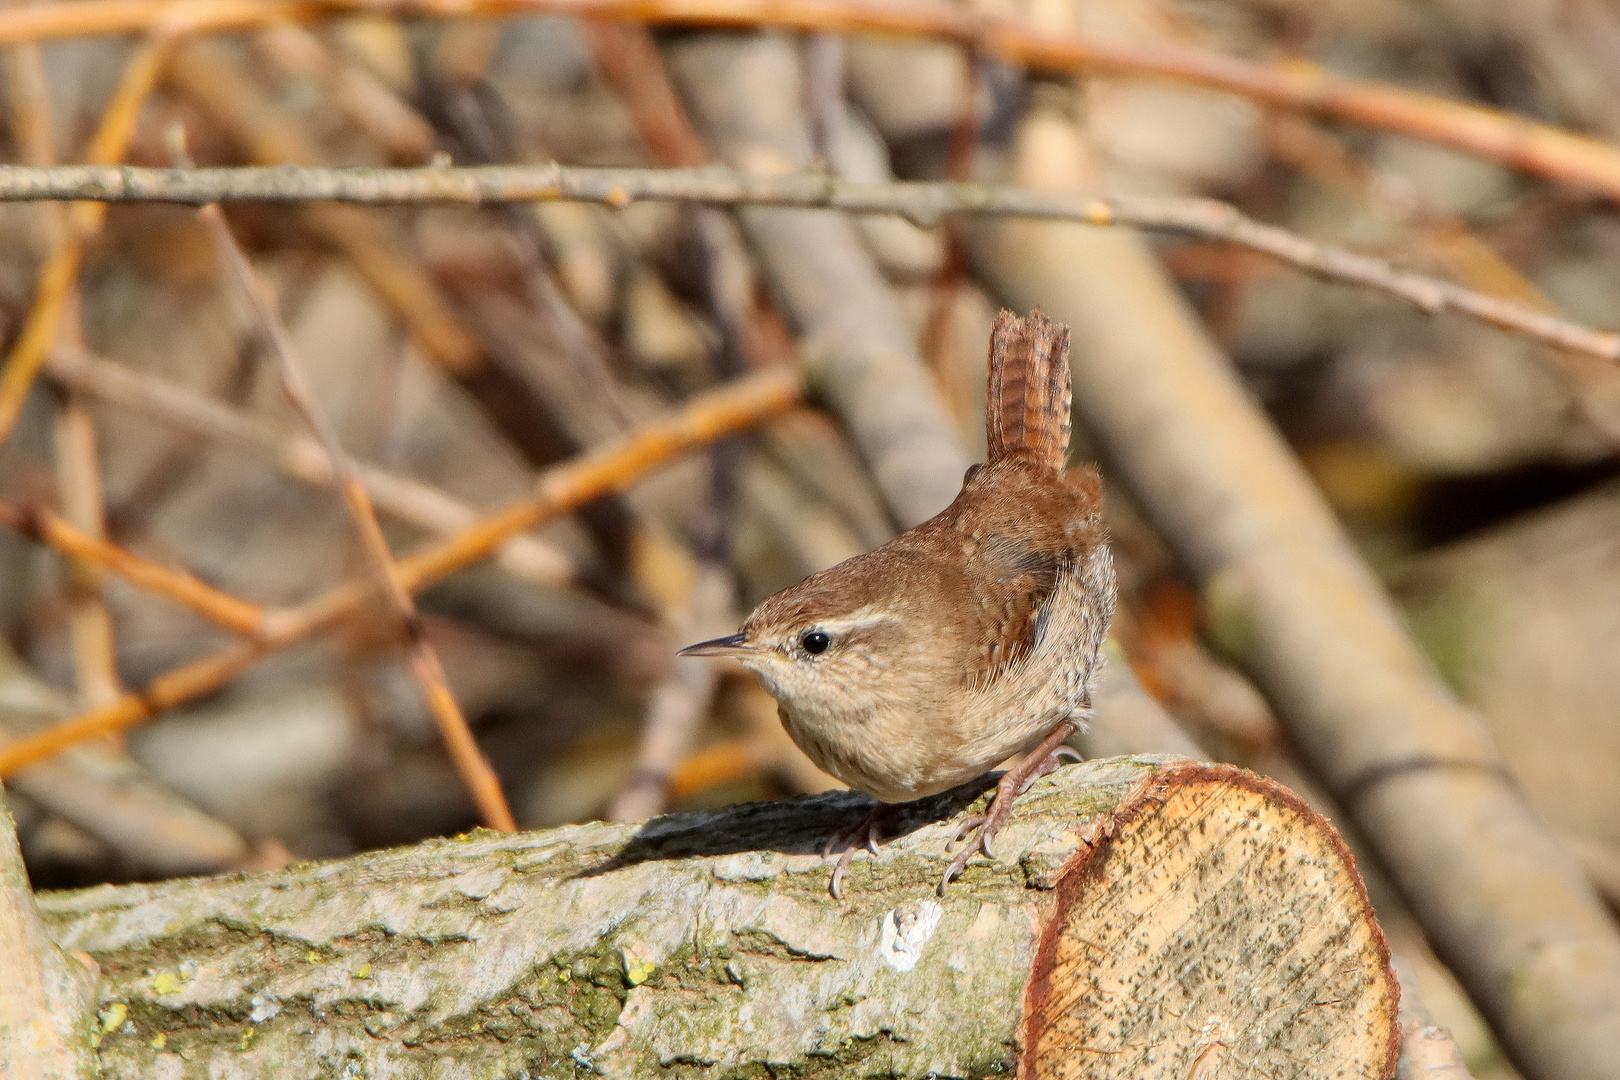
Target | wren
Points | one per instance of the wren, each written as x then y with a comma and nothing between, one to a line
922,664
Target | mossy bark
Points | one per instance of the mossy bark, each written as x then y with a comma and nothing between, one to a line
692,945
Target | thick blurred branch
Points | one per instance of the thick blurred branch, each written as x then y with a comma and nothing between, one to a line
1290,597
745,96
924,203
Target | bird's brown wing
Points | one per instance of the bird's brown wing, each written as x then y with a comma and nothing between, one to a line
1015,580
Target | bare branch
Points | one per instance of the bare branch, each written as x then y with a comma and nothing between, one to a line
1516,141
924,203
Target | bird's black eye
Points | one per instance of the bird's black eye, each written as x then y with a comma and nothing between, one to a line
815,642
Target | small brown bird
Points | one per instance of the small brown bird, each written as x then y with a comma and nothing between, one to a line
918,666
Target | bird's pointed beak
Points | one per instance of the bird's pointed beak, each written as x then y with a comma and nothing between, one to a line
735,645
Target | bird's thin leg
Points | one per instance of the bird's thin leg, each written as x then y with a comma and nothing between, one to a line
866,833
1013,783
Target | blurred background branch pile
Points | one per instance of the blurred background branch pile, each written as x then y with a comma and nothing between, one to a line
332,526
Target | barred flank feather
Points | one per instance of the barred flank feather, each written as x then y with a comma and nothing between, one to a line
1027,408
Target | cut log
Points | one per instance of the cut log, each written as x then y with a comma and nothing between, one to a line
1146,918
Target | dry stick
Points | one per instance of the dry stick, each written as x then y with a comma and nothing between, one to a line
1516,141
220,608
923,203
428,508
469,760
54,285
612,468
90,628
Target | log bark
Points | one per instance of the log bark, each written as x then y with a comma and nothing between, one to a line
43,992
1146,918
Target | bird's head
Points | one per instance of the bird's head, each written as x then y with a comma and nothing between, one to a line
834,644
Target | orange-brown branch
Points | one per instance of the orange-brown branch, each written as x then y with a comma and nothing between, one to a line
611,469
220,608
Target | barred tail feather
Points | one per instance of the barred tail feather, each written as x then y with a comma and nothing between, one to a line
1027,407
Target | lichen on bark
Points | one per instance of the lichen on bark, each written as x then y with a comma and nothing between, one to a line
697,944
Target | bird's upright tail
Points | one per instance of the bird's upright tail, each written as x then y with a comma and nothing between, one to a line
1027,407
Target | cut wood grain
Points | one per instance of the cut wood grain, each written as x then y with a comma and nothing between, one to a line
1147,918
1222,923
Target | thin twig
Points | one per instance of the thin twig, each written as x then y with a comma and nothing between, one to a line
610,469
923,203
220,608
413,502
470,762
1513,140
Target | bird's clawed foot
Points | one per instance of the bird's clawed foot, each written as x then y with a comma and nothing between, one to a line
1014,782
865,833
